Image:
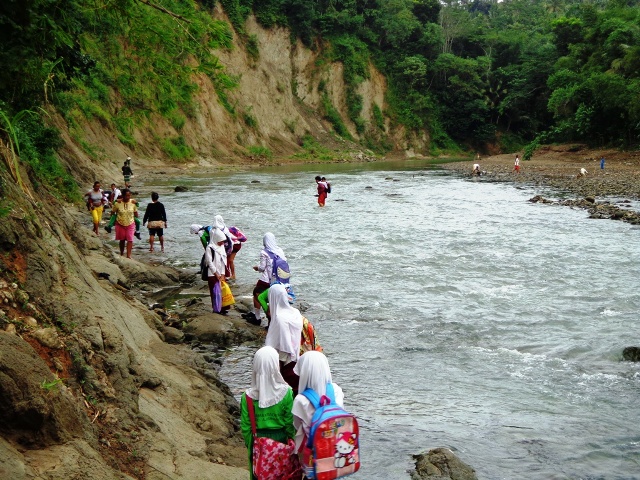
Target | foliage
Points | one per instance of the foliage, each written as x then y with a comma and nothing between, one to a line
177,148
333,116
312,149
257,151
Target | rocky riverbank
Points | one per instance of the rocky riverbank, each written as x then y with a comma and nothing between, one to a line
605,193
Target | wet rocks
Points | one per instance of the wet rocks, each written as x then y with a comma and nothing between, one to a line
181,188
631,354
597,210
441,464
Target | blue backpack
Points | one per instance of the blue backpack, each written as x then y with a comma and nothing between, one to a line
332,449
280,272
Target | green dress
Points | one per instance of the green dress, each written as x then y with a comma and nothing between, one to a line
274,422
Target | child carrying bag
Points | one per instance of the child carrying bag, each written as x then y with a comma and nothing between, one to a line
272,460
333,447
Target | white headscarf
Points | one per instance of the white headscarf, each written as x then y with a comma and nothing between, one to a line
313,370
195,228
270,244
286,323
267,385
220,258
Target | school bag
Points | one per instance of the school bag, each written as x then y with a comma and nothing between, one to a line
236,232
328,187
280,272
332,449
308,339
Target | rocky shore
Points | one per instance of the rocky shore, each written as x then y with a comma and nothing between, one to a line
605,193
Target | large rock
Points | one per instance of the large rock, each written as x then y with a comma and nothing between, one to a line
34,409
631,354
441,464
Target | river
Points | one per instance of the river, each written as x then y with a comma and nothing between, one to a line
453,312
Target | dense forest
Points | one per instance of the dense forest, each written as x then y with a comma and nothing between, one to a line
473,74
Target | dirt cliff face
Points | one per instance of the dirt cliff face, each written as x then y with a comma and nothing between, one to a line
88,388
278,100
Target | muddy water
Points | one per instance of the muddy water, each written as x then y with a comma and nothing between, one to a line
454,313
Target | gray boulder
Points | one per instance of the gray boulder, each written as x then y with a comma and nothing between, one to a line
631,354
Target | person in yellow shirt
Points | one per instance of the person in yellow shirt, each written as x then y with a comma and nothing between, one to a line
126,212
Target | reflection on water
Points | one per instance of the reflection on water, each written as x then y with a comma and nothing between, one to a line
454,312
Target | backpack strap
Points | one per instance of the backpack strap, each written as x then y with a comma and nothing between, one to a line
252,413
330,393
313,397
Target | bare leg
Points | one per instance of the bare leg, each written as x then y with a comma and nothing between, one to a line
129,247
151,240
121,247
96,228
161,238
232,266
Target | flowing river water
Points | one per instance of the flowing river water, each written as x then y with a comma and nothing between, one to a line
453,312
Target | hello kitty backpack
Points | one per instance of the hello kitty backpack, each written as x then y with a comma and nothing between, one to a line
332,449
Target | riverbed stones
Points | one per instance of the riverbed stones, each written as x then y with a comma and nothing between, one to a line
181,188
441,464
173,335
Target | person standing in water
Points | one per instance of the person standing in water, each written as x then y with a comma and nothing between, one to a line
322,191
157,218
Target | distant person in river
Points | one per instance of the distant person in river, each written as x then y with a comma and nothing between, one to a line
583,173
327,184
602,163
322,191
265,267
476,169
271,400
285,331
216,262
313,370
127,173
516,165
157,218
96,201
125,212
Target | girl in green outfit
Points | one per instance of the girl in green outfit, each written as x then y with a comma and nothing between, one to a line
272,400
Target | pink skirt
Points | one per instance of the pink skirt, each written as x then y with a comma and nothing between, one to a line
125,233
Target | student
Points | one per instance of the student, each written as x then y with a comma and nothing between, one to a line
115,194
322,191
516,165
285,330
583,173
157,218
265,267
602,163
95,203
125,212
236,237
476,169
326,184
216,261
313,370
219,224
272,401
202,232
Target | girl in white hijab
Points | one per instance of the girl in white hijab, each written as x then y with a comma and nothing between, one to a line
284,332
236,245
272,402
215,257
265,267
313,370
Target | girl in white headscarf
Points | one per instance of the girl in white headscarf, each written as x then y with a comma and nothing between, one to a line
265,267
285,330
236,245
215,257
313,370
272,401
